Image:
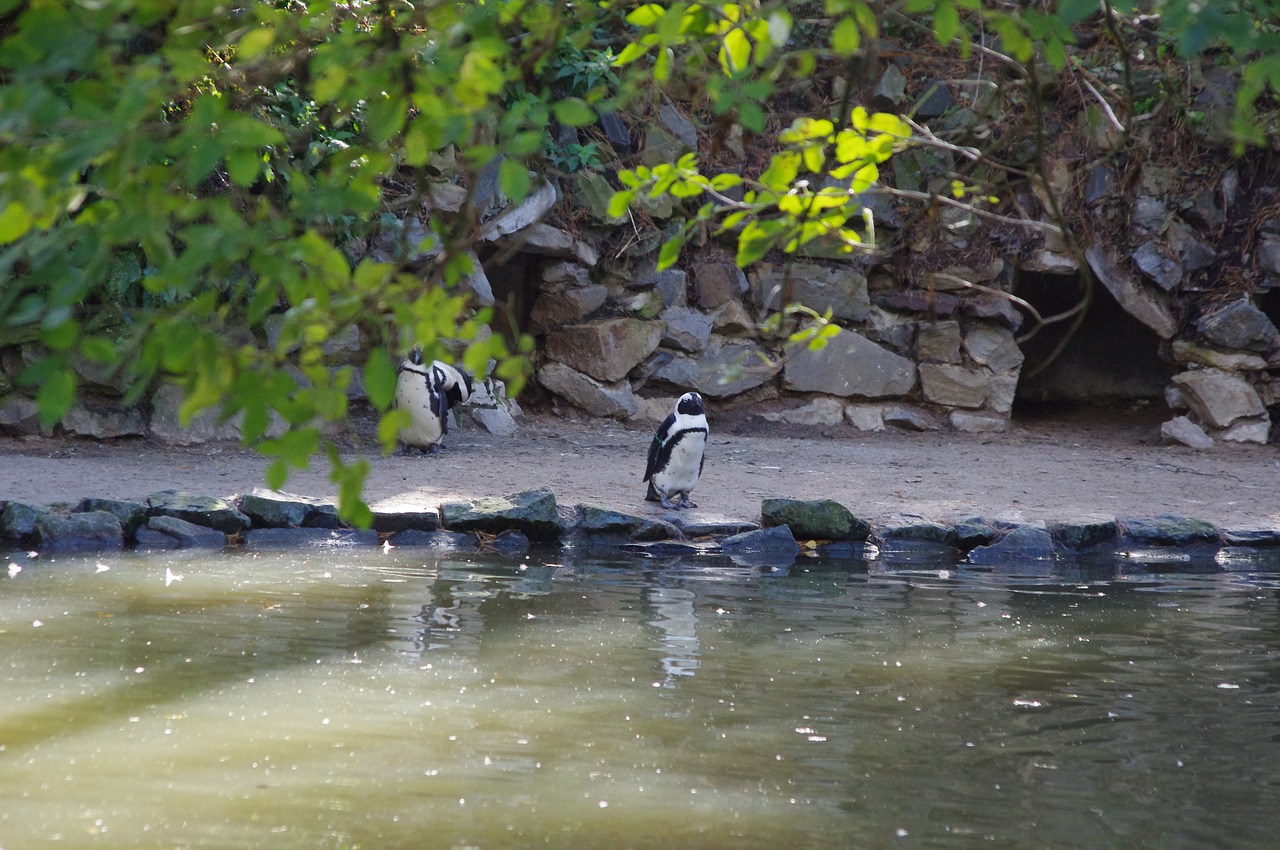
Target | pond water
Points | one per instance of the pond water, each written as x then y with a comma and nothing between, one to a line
404,699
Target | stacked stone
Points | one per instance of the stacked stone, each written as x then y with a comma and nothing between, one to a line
617,335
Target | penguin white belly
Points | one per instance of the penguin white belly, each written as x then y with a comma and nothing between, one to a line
680,475
424,428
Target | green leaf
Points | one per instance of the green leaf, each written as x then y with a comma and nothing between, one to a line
630,53
646,15
573,112
751,116
15,220
350,480
514,179
619,203
946,22
55,397
244,166
735,53
390,426
384,116
330,83
662,65
380,378
724,182
845,38
255,42
670,251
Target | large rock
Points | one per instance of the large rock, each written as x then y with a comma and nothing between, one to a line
18,520
820,287
597,522
166,424
993,346
132,515
687,330
491,409
1025,543
1083,533
274,509
532,512
679,125
717,283
1180,429
822,412
1256,430
1151,308
612,400
850,365
208,511
104,422
94,531
938,342
553,309
1239,325
1168,530
19,414
183,534
978,423
551,242
767,547
820,519
393,521
606,350
524,215
1189,353
723,369
1155,261
1218,398
952,385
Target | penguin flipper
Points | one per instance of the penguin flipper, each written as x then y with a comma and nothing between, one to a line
440,407
655,447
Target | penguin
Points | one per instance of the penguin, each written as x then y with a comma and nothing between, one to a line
676,454
427,392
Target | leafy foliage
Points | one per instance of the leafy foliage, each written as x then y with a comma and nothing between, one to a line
811,190
210,172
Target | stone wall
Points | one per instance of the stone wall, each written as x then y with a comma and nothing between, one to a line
929,323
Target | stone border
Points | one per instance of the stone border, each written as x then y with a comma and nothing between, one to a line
266,519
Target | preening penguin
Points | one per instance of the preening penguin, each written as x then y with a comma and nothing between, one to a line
427,393
677,452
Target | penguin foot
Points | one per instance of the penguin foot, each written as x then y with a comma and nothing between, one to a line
668,504
685,503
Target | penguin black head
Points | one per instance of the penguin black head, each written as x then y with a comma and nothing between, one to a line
415,356
690,404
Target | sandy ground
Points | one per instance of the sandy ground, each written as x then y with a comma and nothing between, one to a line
1082,464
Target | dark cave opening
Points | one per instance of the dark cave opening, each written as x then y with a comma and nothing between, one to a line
514,280
1111,357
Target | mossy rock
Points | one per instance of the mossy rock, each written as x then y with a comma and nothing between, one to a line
820,519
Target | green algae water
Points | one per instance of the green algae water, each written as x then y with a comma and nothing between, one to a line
407,700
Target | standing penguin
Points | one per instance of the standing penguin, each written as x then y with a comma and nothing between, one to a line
676,454
427,392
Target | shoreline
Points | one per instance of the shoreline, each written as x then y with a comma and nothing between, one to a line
1040,474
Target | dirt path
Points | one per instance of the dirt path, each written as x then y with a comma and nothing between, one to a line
1041,470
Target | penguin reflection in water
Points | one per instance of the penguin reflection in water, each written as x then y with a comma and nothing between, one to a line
427,392
676,454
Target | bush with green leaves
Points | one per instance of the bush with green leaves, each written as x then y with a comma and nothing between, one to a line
189,170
